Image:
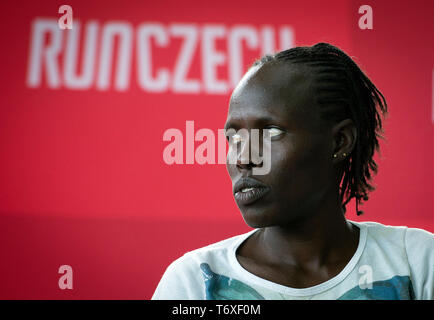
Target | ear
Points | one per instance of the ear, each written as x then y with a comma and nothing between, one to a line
344,136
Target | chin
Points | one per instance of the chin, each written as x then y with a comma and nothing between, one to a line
257,219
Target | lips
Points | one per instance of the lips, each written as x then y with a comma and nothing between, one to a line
248,190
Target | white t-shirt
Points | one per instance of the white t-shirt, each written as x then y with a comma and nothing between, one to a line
392,263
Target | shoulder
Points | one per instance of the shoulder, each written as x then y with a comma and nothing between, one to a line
398,236
379,230
419,246
402,245
416,238
218,250
409,237
215,251
183,278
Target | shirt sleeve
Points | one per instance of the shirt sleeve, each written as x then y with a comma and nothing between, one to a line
180,281
419,245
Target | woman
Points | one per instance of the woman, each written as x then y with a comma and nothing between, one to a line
323,117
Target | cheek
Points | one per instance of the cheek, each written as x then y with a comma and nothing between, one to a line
285,175
298,170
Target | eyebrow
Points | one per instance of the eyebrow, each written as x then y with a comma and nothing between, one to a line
233,122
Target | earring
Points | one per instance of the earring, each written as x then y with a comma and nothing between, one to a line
343,155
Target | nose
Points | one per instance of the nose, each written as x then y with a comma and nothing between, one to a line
244,160
249,154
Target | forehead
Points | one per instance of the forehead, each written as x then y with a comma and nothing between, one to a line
278,92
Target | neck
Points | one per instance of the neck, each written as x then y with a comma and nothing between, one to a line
322,239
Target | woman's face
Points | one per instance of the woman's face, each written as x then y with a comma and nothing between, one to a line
280,96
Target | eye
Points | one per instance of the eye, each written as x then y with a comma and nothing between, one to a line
273,131
235,138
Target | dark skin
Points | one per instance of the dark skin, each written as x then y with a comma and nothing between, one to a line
304,238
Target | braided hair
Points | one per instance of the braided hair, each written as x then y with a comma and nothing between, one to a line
344,91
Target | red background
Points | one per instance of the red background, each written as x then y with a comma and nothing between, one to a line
83,181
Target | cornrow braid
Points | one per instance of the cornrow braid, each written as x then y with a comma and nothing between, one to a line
344,91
